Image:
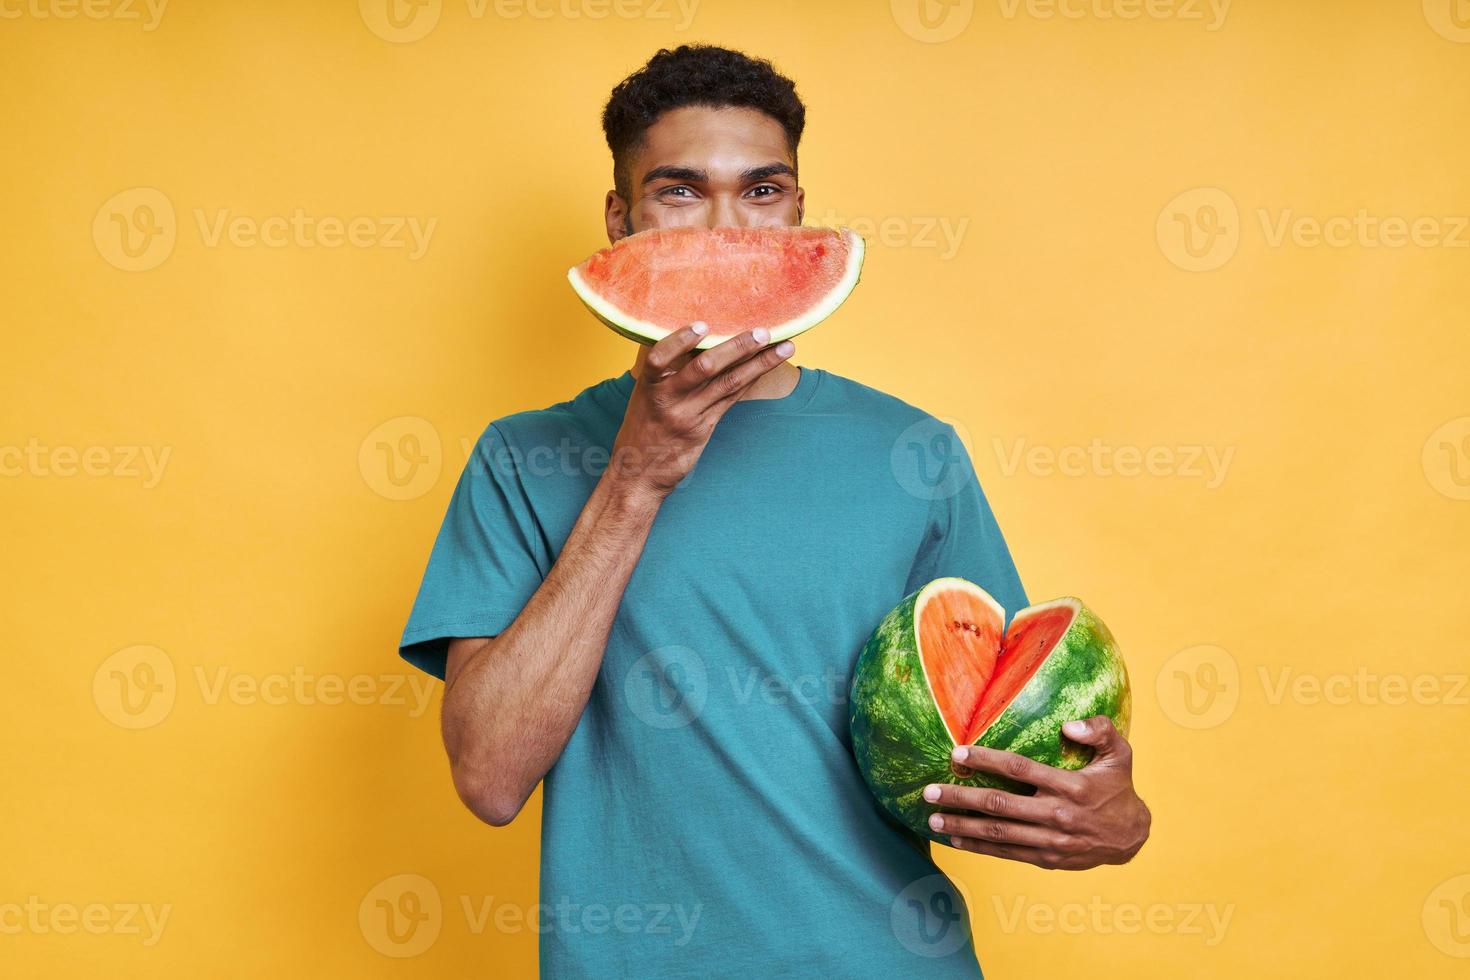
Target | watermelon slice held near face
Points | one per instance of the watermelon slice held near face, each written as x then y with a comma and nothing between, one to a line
786,279
942,670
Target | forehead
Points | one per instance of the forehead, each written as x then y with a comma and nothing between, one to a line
712,139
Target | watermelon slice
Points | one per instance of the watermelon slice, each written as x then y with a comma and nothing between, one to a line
942,670
786,279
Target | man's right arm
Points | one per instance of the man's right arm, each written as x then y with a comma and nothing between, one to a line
512,702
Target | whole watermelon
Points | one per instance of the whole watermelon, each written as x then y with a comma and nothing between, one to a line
1056,663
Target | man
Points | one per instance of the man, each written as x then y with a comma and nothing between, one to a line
668,645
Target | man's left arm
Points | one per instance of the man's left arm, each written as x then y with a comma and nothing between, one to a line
1076,820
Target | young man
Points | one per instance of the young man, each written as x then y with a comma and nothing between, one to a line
669,645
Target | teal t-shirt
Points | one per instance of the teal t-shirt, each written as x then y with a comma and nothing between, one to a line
707,818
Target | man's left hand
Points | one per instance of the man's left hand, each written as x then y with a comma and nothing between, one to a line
1077,819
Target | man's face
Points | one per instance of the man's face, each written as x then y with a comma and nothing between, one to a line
708,167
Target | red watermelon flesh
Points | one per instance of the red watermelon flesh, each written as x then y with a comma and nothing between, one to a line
974,670
786,279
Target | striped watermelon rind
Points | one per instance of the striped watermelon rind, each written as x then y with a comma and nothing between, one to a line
901,742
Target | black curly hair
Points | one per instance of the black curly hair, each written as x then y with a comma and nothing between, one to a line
695,74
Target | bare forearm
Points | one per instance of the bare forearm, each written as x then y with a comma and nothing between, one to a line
512,703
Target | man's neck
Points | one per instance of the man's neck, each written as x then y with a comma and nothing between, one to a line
779,382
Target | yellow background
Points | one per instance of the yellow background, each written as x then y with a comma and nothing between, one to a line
1075,151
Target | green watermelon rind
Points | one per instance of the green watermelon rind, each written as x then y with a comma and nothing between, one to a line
902,744
646,333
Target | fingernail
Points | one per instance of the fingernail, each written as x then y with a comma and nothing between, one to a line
785,347
761,335
1075,728
699,328
931,793
936,822
958,754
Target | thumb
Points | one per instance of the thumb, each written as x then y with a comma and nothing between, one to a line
1098,732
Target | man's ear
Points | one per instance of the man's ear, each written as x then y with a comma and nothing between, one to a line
800,204
615,212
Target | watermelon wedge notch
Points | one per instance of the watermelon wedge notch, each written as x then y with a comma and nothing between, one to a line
786,279
942,669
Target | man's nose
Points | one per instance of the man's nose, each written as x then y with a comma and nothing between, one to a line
722,213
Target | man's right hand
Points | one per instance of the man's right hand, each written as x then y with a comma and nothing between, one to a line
680,395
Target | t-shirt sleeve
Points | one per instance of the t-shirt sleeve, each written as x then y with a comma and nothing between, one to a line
487,561
962,538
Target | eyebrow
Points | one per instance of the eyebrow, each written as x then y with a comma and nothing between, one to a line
694,176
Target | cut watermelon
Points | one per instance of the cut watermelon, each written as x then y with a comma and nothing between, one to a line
786,279
941,671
